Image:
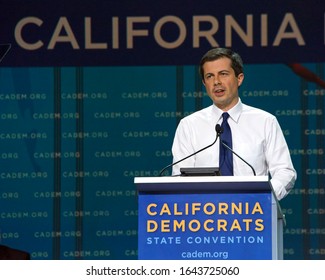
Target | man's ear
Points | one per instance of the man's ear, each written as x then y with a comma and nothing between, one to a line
240,79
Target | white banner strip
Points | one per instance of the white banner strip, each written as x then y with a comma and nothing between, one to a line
166,270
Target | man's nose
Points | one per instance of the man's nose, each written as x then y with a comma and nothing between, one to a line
217,81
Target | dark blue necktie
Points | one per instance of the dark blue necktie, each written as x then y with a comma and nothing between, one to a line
225,158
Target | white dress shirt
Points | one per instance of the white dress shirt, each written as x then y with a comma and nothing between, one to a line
256,137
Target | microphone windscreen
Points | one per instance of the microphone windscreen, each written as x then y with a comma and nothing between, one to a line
219,129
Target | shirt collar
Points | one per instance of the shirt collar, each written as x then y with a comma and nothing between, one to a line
234,112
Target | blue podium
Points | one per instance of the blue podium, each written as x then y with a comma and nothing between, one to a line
214,217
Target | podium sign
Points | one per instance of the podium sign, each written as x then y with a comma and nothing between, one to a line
205,218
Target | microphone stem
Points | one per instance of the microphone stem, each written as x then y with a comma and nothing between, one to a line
239,157
163,170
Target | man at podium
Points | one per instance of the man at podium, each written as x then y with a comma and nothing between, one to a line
239,139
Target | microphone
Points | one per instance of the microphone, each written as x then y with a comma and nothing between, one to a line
231,150
218,130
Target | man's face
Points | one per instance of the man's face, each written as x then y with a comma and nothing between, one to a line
221,83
